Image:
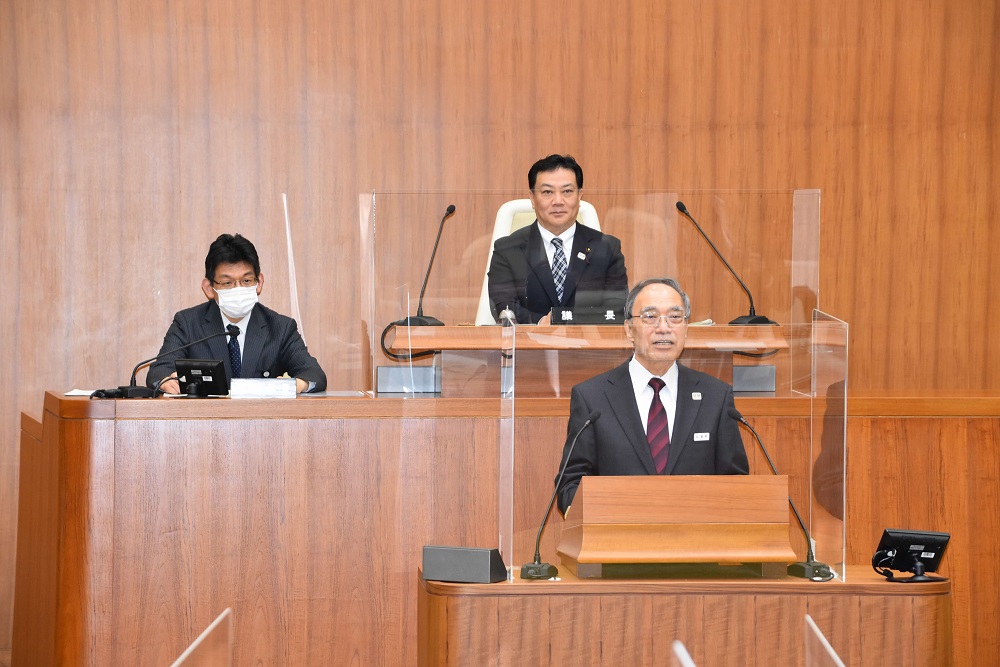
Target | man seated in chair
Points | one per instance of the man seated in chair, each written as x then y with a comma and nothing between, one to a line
657,417
555,261
268,344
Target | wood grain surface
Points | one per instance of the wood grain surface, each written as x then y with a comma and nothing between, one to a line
311,526
736,622
133,134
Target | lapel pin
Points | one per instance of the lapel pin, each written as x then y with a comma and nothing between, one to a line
695,395
580,255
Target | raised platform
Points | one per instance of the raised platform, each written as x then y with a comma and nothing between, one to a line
721,622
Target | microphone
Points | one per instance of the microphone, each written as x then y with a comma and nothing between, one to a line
132,391
753,317
538,569
810,568
419,320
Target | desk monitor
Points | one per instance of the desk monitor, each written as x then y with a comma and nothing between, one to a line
909,551
202,377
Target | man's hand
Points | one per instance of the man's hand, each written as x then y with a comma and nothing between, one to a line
171,386
301,386
546,319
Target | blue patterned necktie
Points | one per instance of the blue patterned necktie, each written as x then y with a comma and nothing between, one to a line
559,267
657,428
235,358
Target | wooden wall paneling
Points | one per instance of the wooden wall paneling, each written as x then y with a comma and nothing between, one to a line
728,643
787,620
516,624
368,503
839,620
470,641
575,627
141,133
392,469
684,619
756,624
625,643
37,529
977,516
932,474
85,460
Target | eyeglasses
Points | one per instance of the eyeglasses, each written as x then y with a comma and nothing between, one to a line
651,318
246,281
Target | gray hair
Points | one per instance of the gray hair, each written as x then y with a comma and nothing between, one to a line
669,282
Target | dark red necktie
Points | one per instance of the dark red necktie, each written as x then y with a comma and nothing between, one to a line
657,428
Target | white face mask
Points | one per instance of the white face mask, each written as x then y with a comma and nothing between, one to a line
237,302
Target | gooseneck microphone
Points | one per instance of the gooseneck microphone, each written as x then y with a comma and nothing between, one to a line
538,569
810,568
132,391
753,317
419,320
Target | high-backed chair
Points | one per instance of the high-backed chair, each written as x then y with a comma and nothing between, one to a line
511,217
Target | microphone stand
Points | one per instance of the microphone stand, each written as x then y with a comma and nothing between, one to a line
132,391
537,569
420,320
810,568
753,317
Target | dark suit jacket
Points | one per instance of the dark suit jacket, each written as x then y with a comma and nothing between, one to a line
616,444
273,345
520,276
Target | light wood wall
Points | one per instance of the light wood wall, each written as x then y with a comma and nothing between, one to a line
131,134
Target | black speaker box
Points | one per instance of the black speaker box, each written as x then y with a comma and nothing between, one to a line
463,565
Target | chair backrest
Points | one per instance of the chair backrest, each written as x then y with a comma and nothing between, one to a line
511,216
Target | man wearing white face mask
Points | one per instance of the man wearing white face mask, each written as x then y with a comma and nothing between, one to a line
268,345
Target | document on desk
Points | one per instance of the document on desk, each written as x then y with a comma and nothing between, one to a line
262,388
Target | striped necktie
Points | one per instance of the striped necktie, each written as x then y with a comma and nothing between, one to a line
657,428
559,267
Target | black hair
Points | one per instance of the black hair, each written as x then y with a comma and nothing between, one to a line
551,163
230,249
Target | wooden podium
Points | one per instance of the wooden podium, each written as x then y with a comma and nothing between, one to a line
630,526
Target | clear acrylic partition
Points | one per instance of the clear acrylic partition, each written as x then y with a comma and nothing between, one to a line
819,652
679,656
829,440
505,478
771,239
214,646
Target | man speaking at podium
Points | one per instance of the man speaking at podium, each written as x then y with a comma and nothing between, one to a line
658,417
555,261
268,345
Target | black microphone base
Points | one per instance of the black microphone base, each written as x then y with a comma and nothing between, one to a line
812,569
136,392
539,571
751,320
420,321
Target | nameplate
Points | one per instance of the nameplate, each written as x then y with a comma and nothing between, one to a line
587,315
262,388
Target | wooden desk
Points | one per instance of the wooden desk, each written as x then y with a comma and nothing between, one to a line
736,622
140,520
